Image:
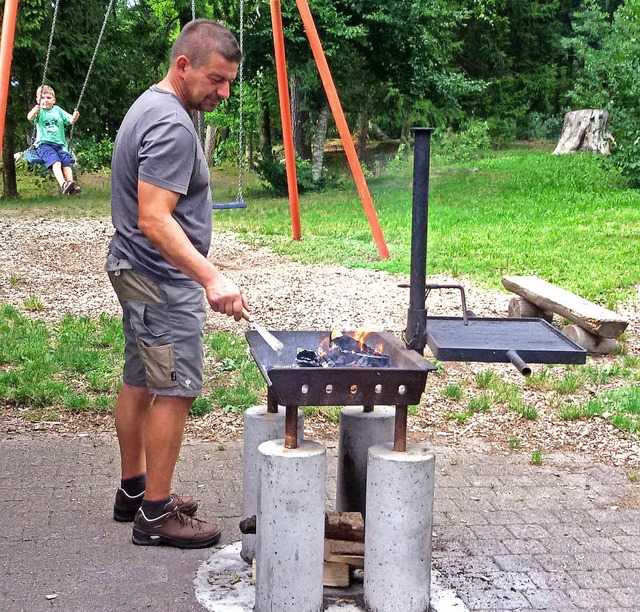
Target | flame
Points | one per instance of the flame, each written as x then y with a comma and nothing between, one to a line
361,335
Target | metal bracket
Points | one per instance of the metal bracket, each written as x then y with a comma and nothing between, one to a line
429,287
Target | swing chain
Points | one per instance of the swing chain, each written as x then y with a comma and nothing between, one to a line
93,59
198,116
53,27
240,197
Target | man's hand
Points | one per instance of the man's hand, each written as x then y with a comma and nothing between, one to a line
225,297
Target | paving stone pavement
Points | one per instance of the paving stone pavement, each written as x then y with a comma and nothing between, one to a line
507,535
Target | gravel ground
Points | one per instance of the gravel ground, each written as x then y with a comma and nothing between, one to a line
60,262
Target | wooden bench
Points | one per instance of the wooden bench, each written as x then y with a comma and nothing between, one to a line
595,328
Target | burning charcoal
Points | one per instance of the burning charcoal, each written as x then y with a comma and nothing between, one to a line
308,359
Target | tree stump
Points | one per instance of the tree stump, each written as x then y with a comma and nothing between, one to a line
584,130
519,308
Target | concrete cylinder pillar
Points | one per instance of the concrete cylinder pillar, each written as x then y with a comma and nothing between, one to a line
359,430
397,558
259,426
290,528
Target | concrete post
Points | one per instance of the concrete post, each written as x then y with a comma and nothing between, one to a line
397,558
259,426
359,430
290,527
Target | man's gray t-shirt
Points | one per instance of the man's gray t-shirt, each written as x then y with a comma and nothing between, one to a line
158,144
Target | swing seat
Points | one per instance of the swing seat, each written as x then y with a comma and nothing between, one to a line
228,205
32,157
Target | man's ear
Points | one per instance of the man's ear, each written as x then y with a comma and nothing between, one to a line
181,64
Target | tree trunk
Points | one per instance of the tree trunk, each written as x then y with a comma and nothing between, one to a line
210,144
584,130
9,183
317,154
266,145
296,116
363,128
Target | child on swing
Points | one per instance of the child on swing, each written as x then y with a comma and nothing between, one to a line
51,143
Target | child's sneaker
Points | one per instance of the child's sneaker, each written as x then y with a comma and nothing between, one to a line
75,190
66,187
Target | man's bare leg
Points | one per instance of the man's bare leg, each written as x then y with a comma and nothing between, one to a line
132,412
163,438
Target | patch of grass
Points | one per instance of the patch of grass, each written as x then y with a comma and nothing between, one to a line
570,383
32,304
200,406
485,379
515,442
621,407
453,392
526,411
241,385
536,457
539,380
603,375
631,361
68,366
479,404
461,417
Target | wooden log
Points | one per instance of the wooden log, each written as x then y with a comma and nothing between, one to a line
344,526
519,308
353,557
591,317
335,574
594,345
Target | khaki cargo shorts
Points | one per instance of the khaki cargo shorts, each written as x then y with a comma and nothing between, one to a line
163,326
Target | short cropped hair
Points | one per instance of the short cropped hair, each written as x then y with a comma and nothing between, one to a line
44,89
201,37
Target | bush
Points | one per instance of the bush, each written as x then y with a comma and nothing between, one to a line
464,145
93,155
273,172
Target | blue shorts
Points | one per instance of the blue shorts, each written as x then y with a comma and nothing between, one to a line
50,153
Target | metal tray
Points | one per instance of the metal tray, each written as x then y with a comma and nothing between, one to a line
490,339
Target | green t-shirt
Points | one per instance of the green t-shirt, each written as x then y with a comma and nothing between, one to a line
50,124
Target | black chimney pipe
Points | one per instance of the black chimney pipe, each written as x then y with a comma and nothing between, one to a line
415,334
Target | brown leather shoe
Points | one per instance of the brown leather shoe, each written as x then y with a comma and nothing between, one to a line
174,528
126,506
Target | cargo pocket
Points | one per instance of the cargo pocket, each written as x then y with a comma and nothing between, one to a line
151,328
158,365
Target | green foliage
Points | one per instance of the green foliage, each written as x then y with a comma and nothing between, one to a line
240,384
610,77
94,155
273,173
621,407
453,392
470,142
43,368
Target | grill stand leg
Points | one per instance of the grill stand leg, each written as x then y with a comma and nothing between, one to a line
400,431
359,430
260,425
397,557
290,527
291,428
